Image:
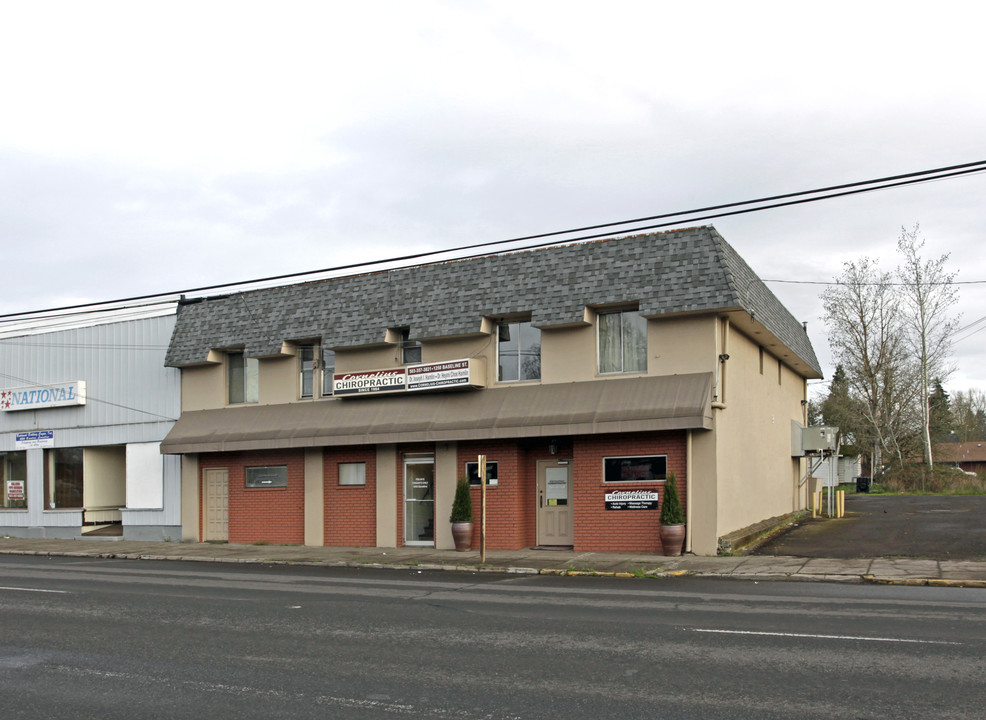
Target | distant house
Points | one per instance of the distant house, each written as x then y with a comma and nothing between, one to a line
342,411
968,456
85,401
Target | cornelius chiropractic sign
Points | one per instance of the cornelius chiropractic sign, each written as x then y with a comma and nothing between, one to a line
39,397
428,376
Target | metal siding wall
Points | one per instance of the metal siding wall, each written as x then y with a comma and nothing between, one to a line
132,397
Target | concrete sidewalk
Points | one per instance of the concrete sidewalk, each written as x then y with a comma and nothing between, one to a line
904,571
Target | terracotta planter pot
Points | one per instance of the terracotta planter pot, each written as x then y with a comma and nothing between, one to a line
462,535
672,539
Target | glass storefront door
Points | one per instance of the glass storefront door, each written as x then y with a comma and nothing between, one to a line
419,500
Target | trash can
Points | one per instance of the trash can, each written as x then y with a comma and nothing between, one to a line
862,484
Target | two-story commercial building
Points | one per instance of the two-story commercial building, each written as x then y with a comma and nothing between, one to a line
85,400
343,411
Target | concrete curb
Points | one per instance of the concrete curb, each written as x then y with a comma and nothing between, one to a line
764,572
924,582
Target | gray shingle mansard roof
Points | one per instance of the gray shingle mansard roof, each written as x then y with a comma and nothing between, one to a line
682,271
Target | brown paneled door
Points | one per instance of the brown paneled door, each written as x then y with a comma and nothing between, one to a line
554,510
216,511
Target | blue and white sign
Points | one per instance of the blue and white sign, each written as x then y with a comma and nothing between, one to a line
39,397
34,439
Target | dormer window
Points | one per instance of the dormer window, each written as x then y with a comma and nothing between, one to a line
518,352
328,370
622,342
410,349
242,378
307,355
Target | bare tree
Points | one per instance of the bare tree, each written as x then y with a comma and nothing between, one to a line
864,323
969,415
928,293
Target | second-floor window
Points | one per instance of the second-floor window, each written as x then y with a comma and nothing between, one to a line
622,342
306,360
243,379
519,352
328,370
410,349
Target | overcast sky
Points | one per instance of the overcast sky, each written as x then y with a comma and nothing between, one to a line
151,147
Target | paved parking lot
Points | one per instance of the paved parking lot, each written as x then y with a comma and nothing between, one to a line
907,526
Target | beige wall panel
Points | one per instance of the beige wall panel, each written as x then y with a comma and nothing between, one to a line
190,498
278,380
568,354
674,346
445,479
203,387
387,495
314,498
703,501
375,358
105,476
678,346
757,477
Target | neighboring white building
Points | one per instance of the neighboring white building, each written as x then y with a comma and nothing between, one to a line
85,400
846,470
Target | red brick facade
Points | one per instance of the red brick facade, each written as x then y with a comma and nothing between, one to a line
276,515
270,515
350,510
599,529
511,513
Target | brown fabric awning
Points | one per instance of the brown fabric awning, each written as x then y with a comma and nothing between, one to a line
673,402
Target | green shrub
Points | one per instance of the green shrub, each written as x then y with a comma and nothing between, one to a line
671,512
462,504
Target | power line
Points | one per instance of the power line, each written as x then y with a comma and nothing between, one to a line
683,217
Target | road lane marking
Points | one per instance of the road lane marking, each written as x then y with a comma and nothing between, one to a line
822,637
20,589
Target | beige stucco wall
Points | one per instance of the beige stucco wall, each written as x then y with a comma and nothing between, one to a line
757,478
279,380
105,476
203,387
190,498
678,346
675,346
702,506
314,498
387,486
568,354
445,479
374,358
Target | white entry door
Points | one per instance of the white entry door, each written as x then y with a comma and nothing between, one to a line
554,511
419,500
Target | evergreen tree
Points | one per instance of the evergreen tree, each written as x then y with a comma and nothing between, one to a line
942,426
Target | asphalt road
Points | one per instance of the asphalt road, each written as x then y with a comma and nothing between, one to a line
87,638
910,526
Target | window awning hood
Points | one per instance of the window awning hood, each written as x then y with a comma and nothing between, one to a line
673,402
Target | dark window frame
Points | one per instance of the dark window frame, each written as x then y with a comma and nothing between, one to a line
611,469
259,484
472,472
